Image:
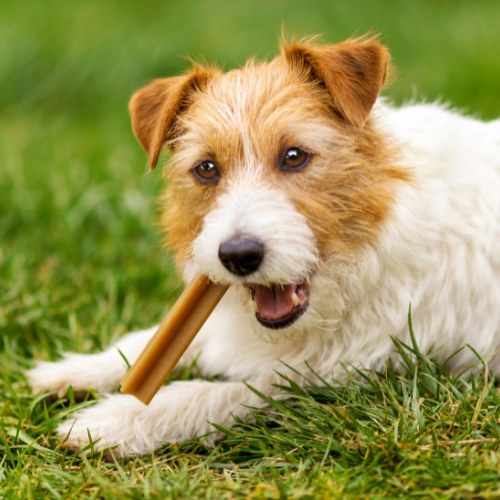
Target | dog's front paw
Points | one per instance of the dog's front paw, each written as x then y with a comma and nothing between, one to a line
118,421
177,413
82,372
106,424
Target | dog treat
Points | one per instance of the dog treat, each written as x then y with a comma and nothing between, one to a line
172,338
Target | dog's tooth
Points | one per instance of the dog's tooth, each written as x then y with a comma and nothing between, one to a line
295,299
254,305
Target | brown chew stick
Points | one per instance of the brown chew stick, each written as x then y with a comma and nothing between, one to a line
172,338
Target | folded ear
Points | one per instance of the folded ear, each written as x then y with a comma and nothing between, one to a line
155,107
352,71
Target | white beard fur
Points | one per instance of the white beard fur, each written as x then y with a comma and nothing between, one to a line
439,250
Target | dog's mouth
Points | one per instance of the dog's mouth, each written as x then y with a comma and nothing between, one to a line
278,306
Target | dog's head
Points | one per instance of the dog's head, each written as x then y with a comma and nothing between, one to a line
275,169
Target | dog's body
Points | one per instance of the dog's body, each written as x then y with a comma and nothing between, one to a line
390,206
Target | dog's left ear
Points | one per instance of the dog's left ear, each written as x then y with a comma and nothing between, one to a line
352,71
154,108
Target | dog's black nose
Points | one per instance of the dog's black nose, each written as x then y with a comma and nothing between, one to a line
241,254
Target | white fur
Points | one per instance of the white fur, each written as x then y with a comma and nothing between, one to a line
101,372
252,207
177,413
439,250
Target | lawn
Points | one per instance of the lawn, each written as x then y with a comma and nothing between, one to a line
81,260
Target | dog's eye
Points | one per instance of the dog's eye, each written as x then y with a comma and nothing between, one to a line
207,171
295,159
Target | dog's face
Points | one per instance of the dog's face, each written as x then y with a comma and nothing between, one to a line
274,170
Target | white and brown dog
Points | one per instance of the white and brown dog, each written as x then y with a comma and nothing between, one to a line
327,211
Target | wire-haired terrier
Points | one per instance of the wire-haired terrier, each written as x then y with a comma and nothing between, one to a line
328,211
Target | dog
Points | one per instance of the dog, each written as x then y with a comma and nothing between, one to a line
328,211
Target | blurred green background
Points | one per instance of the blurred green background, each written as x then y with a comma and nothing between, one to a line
80,256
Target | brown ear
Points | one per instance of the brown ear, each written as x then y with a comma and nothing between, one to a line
352,71
154,108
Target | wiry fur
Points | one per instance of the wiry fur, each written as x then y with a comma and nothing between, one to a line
396,206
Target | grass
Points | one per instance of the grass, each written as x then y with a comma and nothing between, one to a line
81,261
420,434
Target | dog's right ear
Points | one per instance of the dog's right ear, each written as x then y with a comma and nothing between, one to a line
154,108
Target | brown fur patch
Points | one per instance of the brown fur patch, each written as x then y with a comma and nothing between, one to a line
154,108
351,192
353,71
243,120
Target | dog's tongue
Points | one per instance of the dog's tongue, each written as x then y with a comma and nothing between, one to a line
274,302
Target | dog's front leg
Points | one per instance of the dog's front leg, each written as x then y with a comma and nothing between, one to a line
101,371
177,413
